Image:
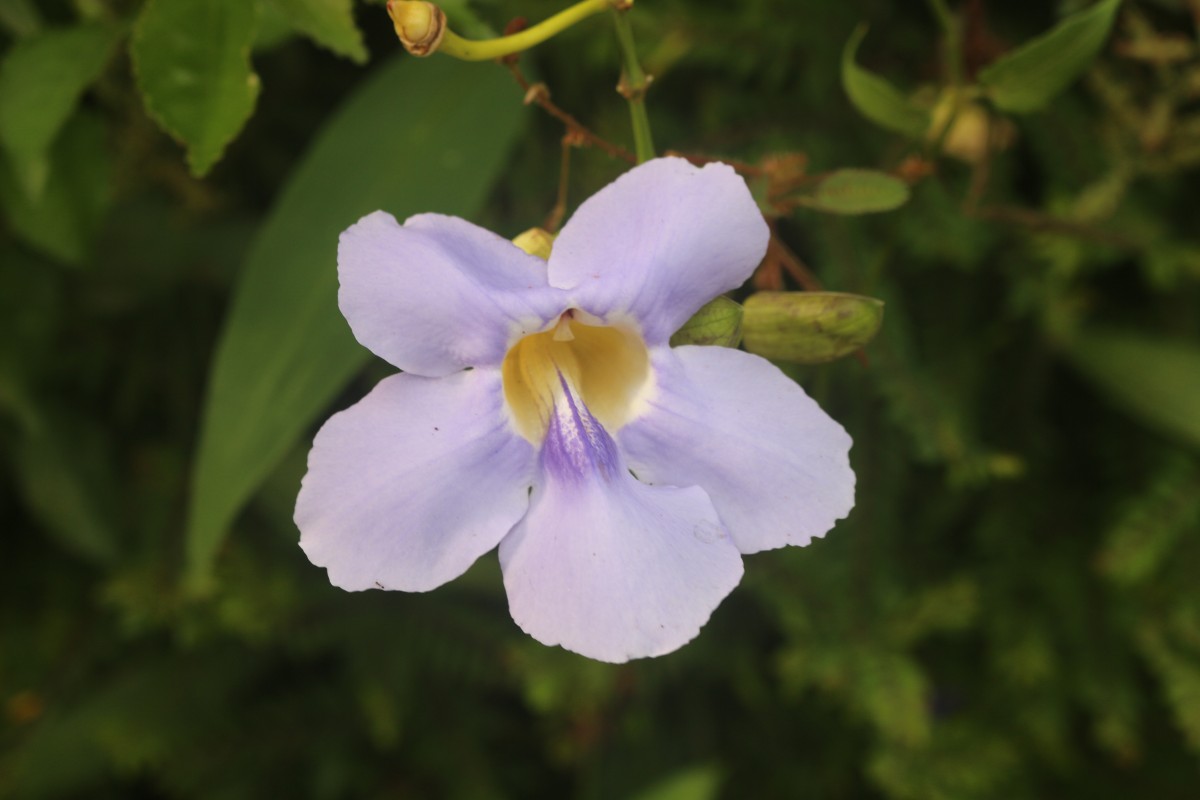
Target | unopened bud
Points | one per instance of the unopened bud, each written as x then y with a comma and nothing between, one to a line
717,323
972,133
536,242
809,327
419,25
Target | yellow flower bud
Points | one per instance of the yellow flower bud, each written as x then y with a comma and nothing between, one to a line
972,133
536,242
419,25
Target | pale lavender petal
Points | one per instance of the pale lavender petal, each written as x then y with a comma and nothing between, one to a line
775,465
439,294
407,488
609,567
658,243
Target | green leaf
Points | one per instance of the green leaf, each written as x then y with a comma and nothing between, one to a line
286,352
809,327
329,23
717,323
875,98
20,17
192,61
41,80
857,191
60,471
1155,380
1029,77
66,216
696,783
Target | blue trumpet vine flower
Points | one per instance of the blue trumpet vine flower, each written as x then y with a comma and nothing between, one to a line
541,409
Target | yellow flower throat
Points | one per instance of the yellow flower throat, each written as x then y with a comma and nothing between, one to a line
607,368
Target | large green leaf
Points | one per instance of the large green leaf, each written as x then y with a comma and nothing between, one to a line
1029,77
67,213
329,23
875,98
192,60
421,136
1155,380
41,80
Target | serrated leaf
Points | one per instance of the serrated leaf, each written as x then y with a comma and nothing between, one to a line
875,98
717,323
286,351
192,61
62,221
1155,380
1029,77
809,327
329,23
41,81
857,191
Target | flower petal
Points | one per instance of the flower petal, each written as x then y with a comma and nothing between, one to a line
407,488
609,567
439,294
658,243
775,465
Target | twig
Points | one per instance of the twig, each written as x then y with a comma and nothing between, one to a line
539,93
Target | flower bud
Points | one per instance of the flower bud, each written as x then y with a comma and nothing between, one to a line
536,242
717,323
972,133
809,327
419,25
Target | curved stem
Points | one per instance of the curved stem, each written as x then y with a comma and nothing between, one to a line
487,49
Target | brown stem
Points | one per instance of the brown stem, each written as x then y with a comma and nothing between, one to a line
554,218
1041,222
538,93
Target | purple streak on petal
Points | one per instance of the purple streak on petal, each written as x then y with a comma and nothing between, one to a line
613,569
576,445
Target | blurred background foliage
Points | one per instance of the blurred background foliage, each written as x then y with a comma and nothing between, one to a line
1012,610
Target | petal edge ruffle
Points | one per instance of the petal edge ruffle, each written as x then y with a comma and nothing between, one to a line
407,488
774,464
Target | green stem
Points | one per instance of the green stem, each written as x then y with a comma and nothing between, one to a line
952,32
487,49
633,86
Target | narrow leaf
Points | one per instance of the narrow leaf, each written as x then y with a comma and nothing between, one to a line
857,191
1155,380
192,60
329,23
286,352
875,98
1029,77
41,80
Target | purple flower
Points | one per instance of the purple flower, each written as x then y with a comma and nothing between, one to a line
542,410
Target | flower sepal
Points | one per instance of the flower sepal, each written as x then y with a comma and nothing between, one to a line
718,323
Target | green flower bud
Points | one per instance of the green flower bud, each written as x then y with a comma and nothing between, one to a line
717,323
809,327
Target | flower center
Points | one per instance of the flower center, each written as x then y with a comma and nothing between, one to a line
607,368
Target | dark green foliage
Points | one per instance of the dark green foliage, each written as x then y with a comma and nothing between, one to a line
1012,610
